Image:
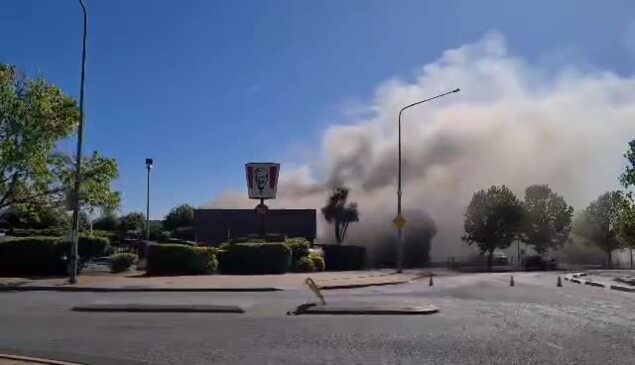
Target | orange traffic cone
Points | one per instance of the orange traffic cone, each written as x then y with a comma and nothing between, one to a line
559,284
430,283
511,281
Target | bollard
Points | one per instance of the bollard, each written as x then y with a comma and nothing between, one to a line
559,284
430,283
511,281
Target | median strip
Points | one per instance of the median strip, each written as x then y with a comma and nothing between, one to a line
365,309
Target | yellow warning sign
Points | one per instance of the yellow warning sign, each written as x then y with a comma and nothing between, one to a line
399,221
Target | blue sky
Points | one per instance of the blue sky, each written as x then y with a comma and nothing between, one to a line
204,86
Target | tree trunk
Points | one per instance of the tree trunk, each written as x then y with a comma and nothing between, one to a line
337,233
631,250
608,256
490,258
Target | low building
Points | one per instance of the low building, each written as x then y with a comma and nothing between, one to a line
214,226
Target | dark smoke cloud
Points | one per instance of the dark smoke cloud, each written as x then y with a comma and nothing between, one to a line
513,123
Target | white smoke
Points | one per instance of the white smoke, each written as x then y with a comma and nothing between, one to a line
513,123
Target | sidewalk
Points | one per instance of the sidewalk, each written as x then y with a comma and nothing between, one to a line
136,281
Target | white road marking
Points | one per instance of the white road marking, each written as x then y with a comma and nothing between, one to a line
554,346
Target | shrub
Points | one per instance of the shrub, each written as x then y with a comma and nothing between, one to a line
318,262
344,257
254,258
184,233
175,259
121,262
159,235
299,247
305,264
33,256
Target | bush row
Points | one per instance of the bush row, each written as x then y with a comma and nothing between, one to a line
254,258
41,255
176,259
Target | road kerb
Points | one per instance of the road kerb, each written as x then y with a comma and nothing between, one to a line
35,360
593,283
159,308
622,288
132,290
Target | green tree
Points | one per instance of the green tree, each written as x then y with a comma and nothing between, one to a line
34,117
106,222
600,222
339,212
180,216
628,177
132,222
547,219
492,220
626,226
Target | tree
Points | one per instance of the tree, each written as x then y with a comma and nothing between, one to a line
180,216
628,177
132,221
626,226
492,220
339,212
600,222
34,117
106,222
547,219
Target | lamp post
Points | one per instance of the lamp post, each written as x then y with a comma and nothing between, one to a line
399,220
148,167
72,278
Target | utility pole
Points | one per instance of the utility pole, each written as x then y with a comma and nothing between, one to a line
148,167
72,277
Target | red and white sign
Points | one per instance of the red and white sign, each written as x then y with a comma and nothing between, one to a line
262,179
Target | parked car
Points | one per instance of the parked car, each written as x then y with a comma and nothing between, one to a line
539,262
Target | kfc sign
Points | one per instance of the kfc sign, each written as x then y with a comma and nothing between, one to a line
262,179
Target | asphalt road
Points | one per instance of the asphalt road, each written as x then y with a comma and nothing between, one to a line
481,321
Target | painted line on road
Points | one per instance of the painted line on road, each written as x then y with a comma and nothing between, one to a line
554,346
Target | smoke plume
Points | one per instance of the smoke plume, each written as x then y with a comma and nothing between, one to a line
513,123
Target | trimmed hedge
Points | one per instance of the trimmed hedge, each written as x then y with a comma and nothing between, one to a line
256,238
318,262
121,262
33,256
32,232
254,258
344,257
92,246
175,259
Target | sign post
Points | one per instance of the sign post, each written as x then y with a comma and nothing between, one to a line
262,183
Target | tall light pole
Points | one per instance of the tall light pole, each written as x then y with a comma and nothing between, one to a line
399,220
148,167
78,160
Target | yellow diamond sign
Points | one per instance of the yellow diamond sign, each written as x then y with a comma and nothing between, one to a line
399,221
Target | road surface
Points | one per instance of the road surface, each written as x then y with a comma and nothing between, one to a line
482,320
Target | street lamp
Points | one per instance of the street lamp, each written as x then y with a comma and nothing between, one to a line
148,167
72,278
399,219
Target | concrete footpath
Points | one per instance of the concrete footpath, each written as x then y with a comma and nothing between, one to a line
138,282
